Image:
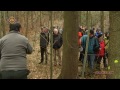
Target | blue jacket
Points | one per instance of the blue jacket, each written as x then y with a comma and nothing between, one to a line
92,46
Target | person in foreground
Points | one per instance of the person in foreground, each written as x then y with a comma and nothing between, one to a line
13,49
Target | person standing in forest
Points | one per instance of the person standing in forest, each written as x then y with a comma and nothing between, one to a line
80,34
93,46
57,43
44,40
13,49
101,52
106,43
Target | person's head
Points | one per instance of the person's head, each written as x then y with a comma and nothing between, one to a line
55,31
100,37
15,27
46,30
107,35
97,30
93,29
80,27
41,29
91,33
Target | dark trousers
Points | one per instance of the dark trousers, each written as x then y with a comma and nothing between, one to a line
11,74
91,59
99,60
81,57
43,51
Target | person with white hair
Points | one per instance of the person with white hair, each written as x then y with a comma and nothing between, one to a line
57,43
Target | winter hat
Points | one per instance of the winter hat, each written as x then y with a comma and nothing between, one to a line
100,35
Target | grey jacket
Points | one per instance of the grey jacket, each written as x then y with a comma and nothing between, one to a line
13,50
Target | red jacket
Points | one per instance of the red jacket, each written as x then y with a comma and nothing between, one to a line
101,51
79,36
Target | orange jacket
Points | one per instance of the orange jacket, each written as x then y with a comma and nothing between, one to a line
79,36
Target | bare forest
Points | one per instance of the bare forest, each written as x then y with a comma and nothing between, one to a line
69,21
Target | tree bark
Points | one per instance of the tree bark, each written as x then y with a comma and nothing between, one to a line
102,21
27,16
80,14
114,43
70,46
3,22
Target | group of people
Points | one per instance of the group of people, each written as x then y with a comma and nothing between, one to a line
57,44
97,47
14,47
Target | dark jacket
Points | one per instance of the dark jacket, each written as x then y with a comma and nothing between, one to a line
44,39
93,45
13,48
57,41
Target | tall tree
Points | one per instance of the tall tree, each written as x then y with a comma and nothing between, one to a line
91,19
27,16
70,50
3,22
32,20
80,14
17,15
114,43
102,21
0,27
87,22
51,45
87,43
40,18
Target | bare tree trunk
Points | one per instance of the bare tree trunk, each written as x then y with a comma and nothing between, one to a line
32,12
51,47
80,14
40,18
87,19
87,43
114,44
17,15
91,18
102,21
3,22
27,16
70,46
0,27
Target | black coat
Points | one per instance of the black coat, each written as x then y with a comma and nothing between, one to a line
43,40
57,41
